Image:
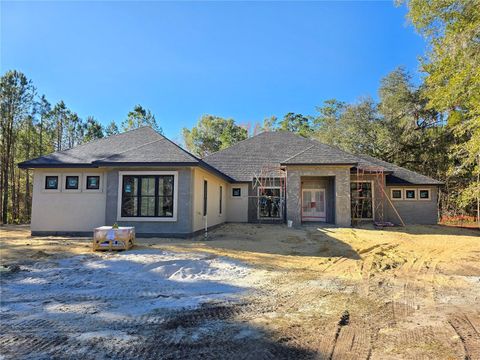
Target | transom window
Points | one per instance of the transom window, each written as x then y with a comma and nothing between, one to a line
424,194
51,182
93,182
71,182
397,194
147,196
410,194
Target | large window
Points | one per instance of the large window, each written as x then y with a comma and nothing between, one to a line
362,200
269,203
147,196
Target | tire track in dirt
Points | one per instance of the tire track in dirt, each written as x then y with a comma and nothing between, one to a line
468,329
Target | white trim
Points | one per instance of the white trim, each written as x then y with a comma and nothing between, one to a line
100,188
281,204
405,195
396,189
429,194
64,183
373,198
155,219
59,183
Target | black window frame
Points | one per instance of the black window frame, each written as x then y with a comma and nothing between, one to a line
420,194
139,197
414,194
234,192
46,182
397,198
98,182
205,197
67,187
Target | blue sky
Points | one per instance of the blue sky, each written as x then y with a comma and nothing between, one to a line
246,60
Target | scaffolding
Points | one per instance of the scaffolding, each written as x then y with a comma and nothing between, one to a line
375,176
269,178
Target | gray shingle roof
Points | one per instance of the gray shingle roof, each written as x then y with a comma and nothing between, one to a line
398,174
142,145
238,163
246,158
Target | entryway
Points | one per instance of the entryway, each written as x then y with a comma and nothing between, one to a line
313,205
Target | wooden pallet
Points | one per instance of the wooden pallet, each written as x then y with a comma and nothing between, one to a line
105,238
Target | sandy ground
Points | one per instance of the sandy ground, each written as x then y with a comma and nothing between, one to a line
325,293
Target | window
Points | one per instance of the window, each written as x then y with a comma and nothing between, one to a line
410,194
147,196
220,204
424,194
396,194
51,182
361,200
205,190
269,204
93,182
236,192
71,182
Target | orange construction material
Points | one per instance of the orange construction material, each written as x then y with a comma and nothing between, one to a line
106,238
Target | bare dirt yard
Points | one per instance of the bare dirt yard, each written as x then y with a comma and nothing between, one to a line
245,292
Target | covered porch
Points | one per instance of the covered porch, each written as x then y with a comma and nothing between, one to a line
319,193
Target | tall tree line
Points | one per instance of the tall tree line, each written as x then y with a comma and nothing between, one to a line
30,127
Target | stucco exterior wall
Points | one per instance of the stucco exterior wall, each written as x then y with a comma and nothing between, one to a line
341,185
67,211
183,225
237,208
214,217
414,211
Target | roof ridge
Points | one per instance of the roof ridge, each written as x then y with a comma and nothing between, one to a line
300,152
182,149
278,131
129,149
333,147
108,137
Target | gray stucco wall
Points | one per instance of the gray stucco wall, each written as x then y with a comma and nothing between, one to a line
341,175
182,227
414,211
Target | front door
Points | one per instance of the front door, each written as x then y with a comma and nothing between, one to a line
313,205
